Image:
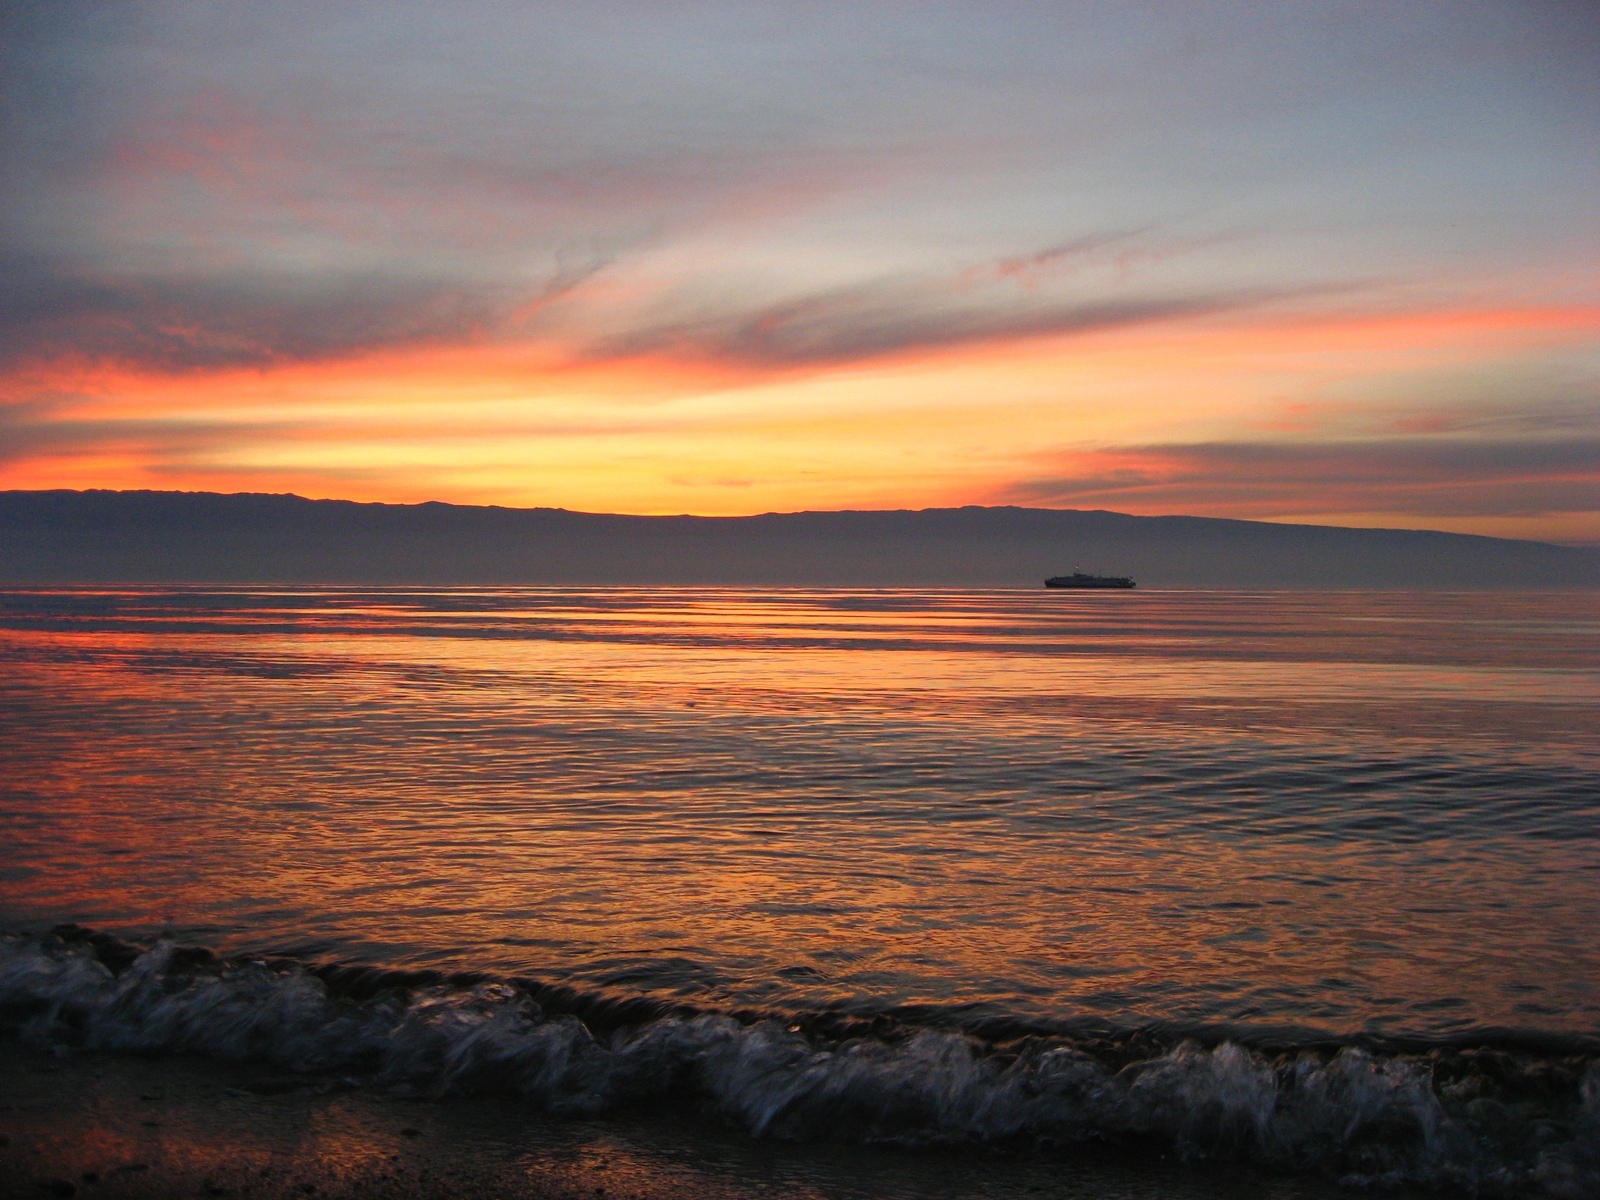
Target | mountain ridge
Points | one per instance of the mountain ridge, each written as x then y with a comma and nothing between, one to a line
147,536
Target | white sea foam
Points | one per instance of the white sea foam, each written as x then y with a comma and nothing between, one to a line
1370,1118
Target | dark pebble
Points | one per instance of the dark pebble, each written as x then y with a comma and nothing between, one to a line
4,1141
216,1189
91,1176
410,1132
151,1124
134,1167
62,1188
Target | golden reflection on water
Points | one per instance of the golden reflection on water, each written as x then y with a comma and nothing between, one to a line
991,799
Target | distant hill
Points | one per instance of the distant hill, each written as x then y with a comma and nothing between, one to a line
199,537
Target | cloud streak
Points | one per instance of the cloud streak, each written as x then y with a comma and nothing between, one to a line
891,318
1512,477
49,311
53,309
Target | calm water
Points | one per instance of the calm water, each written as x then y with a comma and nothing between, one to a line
1256,815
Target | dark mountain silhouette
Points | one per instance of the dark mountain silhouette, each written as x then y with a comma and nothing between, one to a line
199,537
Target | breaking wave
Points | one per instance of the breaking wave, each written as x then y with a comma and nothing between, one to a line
1494,1121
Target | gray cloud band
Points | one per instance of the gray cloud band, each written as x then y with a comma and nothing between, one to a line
1428,476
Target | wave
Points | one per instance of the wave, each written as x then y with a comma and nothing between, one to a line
1492,1120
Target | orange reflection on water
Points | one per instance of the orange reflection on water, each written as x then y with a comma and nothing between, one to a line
950,799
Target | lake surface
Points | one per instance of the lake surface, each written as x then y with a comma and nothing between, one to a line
1274,822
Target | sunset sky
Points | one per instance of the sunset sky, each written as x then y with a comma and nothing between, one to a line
1329,262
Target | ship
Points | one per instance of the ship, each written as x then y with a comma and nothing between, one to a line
1079,580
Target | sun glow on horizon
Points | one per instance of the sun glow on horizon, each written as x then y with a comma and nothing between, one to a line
1101,414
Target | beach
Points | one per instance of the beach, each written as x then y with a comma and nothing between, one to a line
119,1125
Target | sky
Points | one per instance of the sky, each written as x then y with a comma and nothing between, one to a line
1294,261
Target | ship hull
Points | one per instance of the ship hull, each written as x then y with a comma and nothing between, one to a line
1069,582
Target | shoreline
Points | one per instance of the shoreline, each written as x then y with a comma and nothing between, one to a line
119,1125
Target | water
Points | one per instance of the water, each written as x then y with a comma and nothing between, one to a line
900,846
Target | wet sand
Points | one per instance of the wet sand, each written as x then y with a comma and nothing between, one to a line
112,1125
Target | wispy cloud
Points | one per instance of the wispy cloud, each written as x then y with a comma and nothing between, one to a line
1457,477
52,310
899,314
31,429
877,320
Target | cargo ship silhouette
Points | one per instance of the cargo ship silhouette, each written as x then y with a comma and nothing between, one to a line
1079,580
